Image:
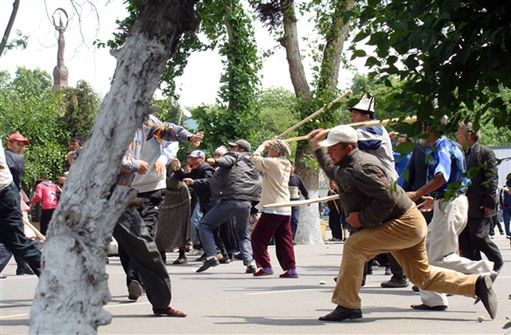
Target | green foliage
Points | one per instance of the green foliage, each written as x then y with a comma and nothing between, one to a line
81,106
28,105
47,118
451,53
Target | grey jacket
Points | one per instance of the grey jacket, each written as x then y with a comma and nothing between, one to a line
236,178
482,170
364,188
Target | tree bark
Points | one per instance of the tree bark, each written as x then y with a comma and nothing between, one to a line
8,29
73,285
294,59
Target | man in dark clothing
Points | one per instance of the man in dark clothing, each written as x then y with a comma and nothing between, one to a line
296,186
14,158
11,230
391,223
235,184
482,198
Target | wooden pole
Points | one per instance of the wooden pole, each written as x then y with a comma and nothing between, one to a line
301,202
37,233
316,113
408,119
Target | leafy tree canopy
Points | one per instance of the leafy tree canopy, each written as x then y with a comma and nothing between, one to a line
452,54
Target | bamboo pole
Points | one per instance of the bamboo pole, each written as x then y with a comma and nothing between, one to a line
301,202
408,119
316,113
37,233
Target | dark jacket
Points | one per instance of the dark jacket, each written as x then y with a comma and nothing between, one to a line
202,179
16,166
482,170
295,182
416,176
236,178
364,187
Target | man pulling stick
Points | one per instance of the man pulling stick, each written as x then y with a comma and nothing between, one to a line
388,222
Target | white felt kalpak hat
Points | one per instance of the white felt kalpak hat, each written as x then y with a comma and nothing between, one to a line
365,105
340,134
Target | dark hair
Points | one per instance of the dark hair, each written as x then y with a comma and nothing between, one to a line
77,140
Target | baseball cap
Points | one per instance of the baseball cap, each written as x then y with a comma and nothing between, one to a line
197,154
18,138
342,133
244,145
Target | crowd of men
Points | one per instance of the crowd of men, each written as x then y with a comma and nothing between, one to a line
385,208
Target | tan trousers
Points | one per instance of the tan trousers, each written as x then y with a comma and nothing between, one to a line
405,239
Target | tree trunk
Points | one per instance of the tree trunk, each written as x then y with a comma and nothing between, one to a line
8,29
294,59
73,285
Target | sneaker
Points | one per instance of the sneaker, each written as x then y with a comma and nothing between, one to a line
169,311
250,269
423,307
263,272
134,290
341,314
207,264
395,282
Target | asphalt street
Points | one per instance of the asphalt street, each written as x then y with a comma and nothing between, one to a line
225,300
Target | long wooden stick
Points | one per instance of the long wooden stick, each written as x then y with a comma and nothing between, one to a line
301,202
37,233
316,113
408,119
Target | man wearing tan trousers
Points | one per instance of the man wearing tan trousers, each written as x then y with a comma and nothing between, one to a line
388,222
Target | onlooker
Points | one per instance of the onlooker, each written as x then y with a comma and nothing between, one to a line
75,145
48,194
505,204
482,198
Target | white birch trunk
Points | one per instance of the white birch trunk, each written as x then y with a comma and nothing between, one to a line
73,285
309,229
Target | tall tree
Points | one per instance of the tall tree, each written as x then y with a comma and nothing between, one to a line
332,22
8,28
73,283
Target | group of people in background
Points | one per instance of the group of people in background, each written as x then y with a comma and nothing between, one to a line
417,216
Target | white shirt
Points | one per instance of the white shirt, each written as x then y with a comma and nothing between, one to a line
5,173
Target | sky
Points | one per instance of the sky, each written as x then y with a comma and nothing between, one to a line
198,85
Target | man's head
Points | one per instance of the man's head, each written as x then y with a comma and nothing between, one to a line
16,143
220,151
197,158
466,134
239,146
75,143
278,148
340,141
363,110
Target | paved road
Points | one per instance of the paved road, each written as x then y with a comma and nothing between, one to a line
224,300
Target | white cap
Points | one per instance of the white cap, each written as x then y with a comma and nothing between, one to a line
365,105
342,133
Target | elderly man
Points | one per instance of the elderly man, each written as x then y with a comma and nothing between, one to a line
390,222
236,183
482,197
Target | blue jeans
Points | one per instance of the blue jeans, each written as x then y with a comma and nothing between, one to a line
11,230
221,213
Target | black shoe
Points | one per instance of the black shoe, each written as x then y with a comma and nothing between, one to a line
134,290
207,264
24,271
395,283
201,258
340,314
423,307
484,291
250,269
415,289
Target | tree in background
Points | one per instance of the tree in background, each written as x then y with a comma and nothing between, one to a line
454,55
81,106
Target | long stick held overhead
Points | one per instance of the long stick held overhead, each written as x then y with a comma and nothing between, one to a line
316,113
408,119
301,202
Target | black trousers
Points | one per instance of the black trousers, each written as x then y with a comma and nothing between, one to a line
475,239
134,238
11,231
